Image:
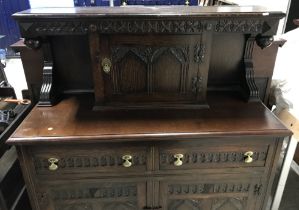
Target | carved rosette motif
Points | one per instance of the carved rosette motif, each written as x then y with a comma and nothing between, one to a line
42,164
258,189
197,85
33,43
205,158
199,53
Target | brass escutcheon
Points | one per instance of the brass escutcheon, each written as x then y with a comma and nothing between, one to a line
248,157
178,161
53,164
106,65
127,161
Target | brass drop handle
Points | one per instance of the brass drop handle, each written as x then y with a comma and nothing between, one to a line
127,161
106,65
178,159
53,164
248,157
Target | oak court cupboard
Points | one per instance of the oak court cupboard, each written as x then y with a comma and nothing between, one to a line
150,108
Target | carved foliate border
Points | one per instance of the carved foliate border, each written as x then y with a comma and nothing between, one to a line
133,26
189,189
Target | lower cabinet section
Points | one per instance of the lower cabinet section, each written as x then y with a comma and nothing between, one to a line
166,193
206,174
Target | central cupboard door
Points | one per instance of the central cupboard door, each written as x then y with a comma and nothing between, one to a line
145,69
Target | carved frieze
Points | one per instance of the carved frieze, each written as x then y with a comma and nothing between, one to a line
239,25
105,206
189,189
211,157
101,192
116,26
133,26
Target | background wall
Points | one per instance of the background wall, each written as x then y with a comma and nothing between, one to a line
51,3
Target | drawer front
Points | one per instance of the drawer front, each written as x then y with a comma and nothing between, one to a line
215,192
92,195
211,154
80,159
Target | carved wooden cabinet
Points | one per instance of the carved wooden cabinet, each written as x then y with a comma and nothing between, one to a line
149,108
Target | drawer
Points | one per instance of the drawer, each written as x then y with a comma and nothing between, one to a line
213,155
114,158
100,194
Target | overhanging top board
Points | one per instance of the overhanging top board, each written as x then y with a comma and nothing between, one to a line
155,11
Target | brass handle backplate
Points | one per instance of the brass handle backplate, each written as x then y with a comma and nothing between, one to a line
106,65
53,164
127,161
178,159
248,157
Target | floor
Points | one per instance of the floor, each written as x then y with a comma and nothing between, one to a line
290,196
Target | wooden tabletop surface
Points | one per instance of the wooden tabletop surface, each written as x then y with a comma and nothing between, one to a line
73,118
156,11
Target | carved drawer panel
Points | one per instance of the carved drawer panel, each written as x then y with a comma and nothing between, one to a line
219,155
88,159
217,193
92,195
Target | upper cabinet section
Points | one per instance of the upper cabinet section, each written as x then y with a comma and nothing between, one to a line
144,57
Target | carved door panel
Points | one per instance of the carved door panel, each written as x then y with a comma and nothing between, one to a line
97,195
210,194
146,70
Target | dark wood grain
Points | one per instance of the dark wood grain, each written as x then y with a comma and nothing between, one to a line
173,55
161,11
166,127
73,119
